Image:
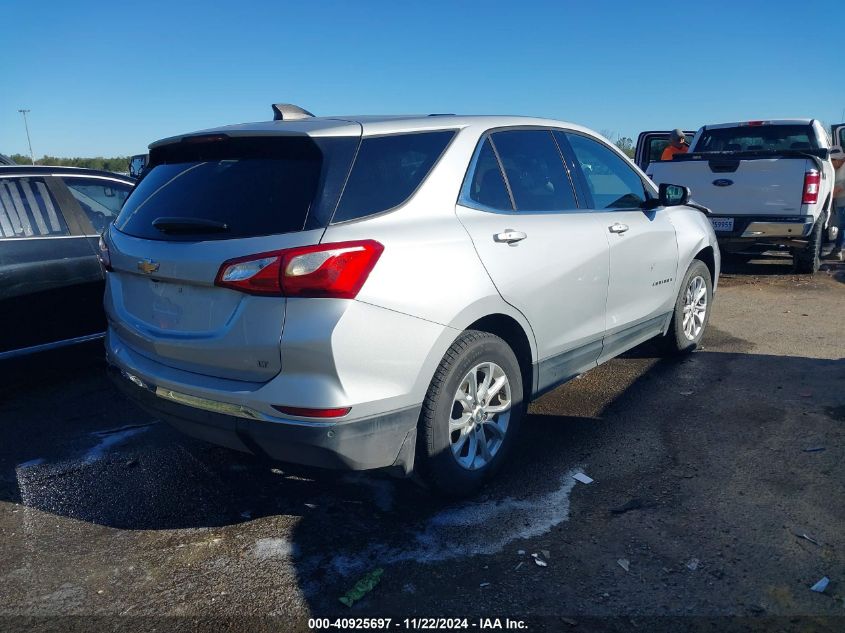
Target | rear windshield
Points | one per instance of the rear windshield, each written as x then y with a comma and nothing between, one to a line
751,138
225,188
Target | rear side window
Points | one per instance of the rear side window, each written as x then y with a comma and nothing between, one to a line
488,186
237,187
101,200
751,138
387,170
655,149
27,209
534,169
612,182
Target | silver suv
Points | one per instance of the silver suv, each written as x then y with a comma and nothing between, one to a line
391,292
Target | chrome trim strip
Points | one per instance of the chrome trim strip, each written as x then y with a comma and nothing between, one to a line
205,404
215,406
34,349
40,174
46,237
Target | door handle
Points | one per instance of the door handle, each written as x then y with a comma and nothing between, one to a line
618,227
509,236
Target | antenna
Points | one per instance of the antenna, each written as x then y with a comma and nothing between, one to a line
29,142
289,112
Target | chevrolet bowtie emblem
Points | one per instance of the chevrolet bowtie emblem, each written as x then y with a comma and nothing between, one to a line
148,266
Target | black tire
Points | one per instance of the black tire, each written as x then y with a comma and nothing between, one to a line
808,260
435,462
676,341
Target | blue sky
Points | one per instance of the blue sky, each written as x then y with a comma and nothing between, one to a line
108,78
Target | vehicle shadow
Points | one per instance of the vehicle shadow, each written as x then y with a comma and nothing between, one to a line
757,265
835,269
331,528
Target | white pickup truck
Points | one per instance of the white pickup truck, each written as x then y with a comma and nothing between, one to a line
767,185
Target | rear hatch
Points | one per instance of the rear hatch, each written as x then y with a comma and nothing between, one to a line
202,201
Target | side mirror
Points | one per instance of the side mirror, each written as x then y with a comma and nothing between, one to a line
673,195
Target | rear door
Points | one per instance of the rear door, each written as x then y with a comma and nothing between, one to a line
643,246
51,284
546,255
650,146
199,204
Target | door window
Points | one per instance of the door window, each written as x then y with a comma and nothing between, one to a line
534,170
27,209
100,199
612,182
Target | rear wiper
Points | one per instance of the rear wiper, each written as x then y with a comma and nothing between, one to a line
189,225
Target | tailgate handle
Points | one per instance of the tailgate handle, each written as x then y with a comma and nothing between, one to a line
509,236
618,227
723,166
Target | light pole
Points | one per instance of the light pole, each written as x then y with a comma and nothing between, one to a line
26,125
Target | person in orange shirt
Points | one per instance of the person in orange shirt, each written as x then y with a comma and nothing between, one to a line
677,145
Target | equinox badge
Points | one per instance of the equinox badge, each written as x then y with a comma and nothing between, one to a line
148,266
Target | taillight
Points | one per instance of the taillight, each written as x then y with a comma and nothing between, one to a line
812,181
103,254
255,274
336,270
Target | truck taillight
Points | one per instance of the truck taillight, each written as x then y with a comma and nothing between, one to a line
335,271
812,181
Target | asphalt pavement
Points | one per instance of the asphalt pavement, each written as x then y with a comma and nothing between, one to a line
718,499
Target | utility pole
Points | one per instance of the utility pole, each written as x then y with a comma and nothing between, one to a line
26,125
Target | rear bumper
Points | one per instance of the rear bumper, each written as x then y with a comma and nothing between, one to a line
383,441
765,231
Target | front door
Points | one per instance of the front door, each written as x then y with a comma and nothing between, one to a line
643,246
838,136
650,146
547,257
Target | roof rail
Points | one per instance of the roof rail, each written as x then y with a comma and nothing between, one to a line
289,112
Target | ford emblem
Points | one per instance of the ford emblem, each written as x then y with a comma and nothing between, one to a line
723,182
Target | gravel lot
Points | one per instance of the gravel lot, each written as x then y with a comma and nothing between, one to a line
716,466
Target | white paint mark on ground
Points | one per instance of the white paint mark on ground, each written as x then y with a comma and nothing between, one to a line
454,533
32,462
274,548
110,439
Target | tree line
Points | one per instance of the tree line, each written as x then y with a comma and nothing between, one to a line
118,163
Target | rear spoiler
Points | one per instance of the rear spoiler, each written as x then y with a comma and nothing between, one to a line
816,155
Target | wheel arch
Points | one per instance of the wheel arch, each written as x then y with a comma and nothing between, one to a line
708,256
513,333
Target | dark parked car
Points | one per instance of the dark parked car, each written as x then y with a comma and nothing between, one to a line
51,282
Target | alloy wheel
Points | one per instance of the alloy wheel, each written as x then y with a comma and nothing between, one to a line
480,414
695,307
